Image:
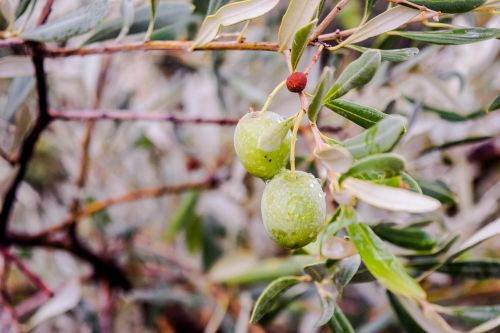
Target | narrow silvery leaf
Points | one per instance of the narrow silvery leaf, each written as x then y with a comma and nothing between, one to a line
387,21
361,115
167,14
395,55
154,8
19,89
356,75
74,24
269,295
495,105
345,270
379,138
298,14
450,37
21,7
335,158
390,198
339,322
490,230
388,164
230,14
300,42
328,306
382,263
127,13
319,94
272,138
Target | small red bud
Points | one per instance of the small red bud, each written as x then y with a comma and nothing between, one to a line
296,82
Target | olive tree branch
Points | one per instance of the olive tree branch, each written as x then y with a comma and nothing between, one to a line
328,19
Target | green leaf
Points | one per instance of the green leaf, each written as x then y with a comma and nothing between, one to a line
495,105
405,319
345,270
334,157
396,55
450,37
470,269
194,233
411,184
379,138
356,75
272,138
185,213
214,5
449,115
21,7
300,41
297,15
450,6
361,115
328,306
386,21
318,271
369,4
74,24
339,323
168,13
439,191
343,217
127,12
382,263
475,314
273,290
390,198
388,164
154,9
19,89
452,144
408,238
319,94
230,14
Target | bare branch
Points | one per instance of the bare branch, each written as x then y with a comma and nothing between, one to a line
328,19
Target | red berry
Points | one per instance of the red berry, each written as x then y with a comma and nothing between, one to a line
296,82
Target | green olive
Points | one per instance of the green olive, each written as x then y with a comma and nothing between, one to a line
293,209
258,162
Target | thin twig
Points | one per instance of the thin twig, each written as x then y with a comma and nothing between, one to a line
44,15
37,281
328,19
28,146
126,115
314,60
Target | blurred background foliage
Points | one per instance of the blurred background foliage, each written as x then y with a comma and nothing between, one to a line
197,260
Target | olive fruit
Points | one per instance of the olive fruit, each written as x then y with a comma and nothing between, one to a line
293,208
258,162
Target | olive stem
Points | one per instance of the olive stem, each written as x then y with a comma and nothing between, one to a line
294,140
314,60
271,96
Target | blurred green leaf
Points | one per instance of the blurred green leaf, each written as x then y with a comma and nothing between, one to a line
73,24
470,269
19,89
452,144
300,41
495,105
491,230
408,238
396,55
339,323
212,237
369,4
475,314
388,164
361,115
273,290
214,5
127,13
449,115
318,271
405,319
230,14
194,234
450,37
184,214
382,263
356,75
153,10
344,271
21,7
450,6
412,184
319,94
438,190
379,138
168,13
297,15
328,306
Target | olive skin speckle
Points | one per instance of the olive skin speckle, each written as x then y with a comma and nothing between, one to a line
293,209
